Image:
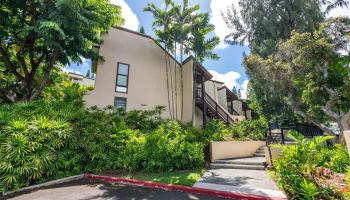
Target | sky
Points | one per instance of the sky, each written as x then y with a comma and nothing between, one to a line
227,69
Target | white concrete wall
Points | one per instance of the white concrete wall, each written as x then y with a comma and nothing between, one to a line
234,149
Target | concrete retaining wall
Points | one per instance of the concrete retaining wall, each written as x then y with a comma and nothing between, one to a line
234,149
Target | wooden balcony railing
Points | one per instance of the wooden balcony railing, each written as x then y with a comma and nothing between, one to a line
213,108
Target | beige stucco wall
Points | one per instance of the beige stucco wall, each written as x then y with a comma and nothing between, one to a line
76,78
234,149
249,114
345,139
147,74
237,105
188,92
238,117
198,117
211,88
222,98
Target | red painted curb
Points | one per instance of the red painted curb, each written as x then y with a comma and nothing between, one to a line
208,192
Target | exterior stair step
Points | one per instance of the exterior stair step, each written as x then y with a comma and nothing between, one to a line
236,166
239,162
259,155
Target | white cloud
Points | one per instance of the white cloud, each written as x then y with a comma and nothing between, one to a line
216,7
230,80
339,12
131,21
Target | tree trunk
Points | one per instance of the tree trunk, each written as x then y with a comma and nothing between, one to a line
344,126
182,83
171,86
167,79
175,62
45,78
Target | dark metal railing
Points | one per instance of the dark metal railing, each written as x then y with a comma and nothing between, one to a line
308,130
213,106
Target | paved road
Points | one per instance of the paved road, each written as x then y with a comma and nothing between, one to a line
87,189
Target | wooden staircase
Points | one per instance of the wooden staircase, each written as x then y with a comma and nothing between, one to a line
211,108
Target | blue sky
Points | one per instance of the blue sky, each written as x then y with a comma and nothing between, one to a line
227,69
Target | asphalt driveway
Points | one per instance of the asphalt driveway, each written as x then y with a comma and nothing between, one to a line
86,189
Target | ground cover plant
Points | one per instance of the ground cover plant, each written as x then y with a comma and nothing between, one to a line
312,169
56,136
180,177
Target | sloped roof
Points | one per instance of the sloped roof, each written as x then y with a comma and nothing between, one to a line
199,67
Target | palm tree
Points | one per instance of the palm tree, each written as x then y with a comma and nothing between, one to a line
201,46
184,17
163,19
181,28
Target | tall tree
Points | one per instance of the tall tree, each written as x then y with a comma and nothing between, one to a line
142,30
234,90
312,76
37,36
182,29
162,21
263,24
184,17
202,46
88,74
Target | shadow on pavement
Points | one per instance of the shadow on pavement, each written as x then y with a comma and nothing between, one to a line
86,189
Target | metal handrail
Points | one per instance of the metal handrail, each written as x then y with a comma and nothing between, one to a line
220,112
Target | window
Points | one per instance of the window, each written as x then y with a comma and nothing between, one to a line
122,78
120,103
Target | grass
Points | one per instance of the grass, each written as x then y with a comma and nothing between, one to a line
185,177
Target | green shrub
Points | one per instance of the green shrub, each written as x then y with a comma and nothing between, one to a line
296,168
164,149
29,149
249,129
50,139
214,130
144,120
339,159
217,130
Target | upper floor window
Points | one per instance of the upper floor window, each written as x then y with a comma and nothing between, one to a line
122,78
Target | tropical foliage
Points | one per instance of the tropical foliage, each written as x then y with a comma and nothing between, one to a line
263,25
49,139
217,130
38,36
183,30
308,170
310,74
